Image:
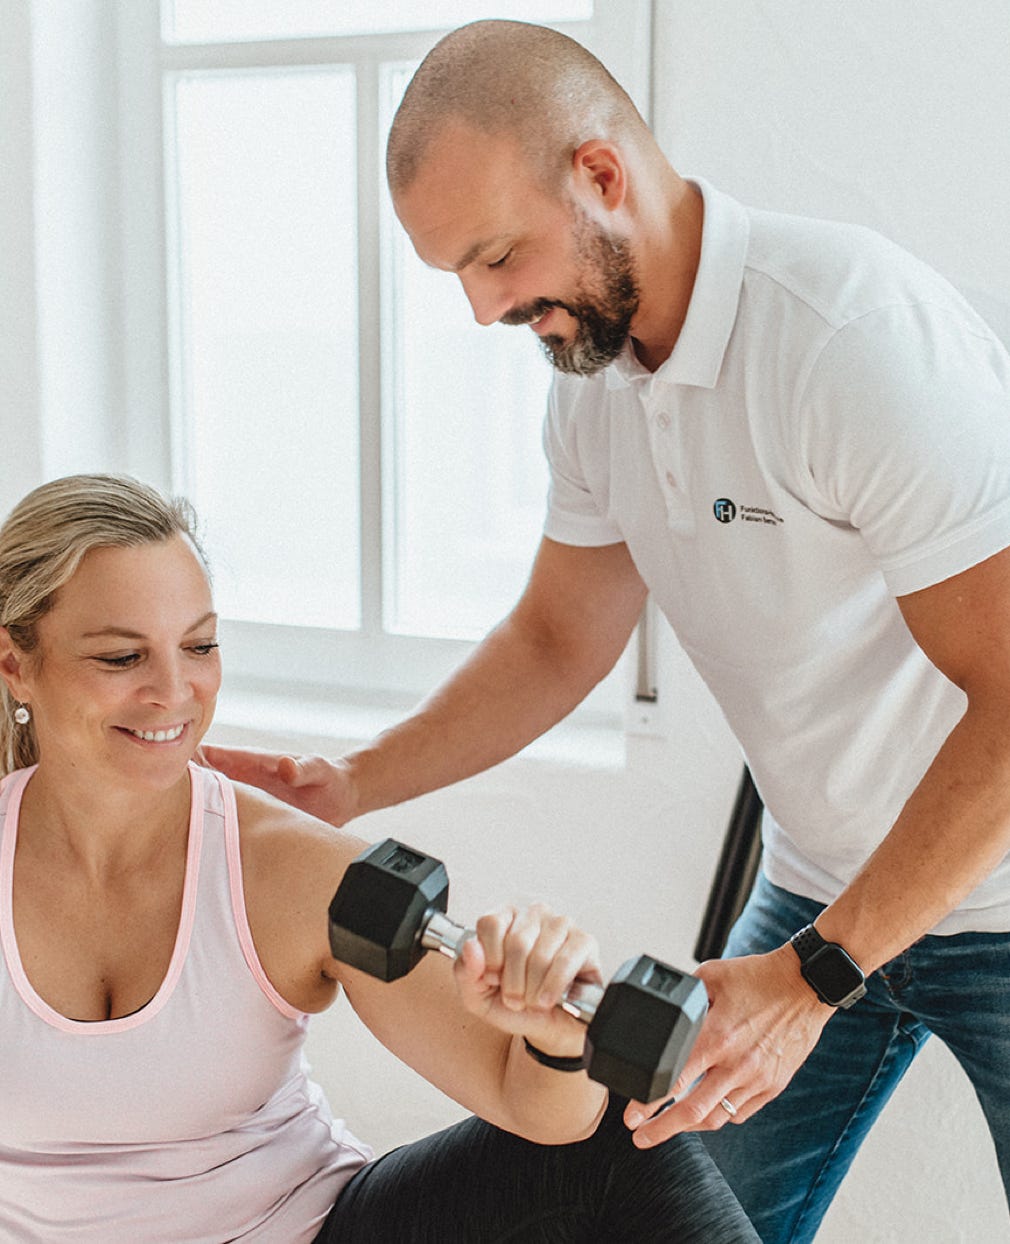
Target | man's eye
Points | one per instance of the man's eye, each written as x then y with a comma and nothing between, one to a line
500,263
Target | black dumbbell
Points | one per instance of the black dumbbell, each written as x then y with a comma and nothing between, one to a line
389,910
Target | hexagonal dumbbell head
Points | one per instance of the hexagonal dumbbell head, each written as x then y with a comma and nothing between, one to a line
644,1028
381,906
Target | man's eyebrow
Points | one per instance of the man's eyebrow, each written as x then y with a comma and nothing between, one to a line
122,632
478,248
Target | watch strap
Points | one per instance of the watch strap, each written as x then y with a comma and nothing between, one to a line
807,942
809,946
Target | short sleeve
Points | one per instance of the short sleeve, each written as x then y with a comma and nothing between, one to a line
906,436
574,514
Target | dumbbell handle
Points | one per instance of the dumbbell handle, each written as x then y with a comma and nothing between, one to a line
581,999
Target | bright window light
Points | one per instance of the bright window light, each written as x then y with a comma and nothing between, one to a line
366,459
465,478
211,21
265,253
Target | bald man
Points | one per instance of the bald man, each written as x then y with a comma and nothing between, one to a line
795,436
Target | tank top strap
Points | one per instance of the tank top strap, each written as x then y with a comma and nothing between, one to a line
11,790
224,854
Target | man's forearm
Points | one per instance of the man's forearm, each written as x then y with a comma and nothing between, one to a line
510,691
952,832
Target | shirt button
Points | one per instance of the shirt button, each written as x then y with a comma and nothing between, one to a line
670,479
663,419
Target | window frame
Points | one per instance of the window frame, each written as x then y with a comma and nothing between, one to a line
369,661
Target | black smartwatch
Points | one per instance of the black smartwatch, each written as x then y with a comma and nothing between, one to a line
830,972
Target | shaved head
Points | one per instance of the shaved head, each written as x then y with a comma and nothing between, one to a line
497,77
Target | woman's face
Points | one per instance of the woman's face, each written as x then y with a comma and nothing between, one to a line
124,679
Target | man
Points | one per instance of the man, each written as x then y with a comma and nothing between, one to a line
797,438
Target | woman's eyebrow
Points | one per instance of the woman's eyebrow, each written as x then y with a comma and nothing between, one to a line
123,632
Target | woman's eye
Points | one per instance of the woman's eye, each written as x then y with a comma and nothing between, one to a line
120,663
204,650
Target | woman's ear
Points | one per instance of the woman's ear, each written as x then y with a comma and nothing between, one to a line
599,171
11,664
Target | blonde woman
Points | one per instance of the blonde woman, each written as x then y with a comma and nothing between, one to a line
164,943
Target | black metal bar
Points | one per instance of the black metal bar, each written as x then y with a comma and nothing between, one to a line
735,872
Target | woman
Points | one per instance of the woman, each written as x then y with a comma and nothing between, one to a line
164,942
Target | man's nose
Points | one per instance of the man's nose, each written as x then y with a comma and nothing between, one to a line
488,300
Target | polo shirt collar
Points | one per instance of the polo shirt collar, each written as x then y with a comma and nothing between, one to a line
697,357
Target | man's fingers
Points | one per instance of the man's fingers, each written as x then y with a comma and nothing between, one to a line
239,763
707,1108
300,770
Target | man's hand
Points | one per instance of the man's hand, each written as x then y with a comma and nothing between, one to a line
323,788
763,1021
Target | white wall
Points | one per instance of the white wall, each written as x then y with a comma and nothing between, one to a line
19,369
60,367
893,115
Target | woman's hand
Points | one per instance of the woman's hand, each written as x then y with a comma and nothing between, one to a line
461,1025
514,972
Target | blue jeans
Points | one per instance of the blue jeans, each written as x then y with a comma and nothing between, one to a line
475,1184
786,1163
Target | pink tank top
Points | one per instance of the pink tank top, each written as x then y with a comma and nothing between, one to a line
191,1120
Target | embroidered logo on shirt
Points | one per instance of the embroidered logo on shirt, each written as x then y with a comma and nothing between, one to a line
725,511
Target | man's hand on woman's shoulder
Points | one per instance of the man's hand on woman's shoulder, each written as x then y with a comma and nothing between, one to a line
320,787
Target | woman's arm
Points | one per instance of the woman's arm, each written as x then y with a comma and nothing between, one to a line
461,1026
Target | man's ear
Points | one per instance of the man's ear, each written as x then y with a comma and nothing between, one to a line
600,172
11,662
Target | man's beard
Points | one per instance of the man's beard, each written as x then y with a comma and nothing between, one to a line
602,317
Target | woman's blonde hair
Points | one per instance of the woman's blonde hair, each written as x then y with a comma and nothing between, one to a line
42,543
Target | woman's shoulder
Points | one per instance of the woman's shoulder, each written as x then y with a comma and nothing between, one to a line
280,837
292,864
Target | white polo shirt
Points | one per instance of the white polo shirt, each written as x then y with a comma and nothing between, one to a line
832,430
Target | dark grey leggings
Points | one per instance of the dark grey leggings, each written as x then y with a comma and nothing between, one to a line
474,1184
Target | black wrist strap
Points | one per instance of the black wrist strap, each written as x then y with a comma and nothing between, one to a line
806,942
555,1061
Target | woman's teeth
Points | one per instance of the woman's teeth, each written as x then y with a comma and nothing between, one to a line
158,736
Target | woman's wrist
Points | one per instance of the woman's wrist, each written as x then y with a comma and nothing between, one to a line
557,1062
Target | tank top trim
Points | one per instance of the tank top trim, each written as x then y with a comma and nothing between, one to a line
234,856
182,939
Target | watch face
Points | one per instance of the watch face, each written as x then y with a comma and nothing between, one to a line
833,974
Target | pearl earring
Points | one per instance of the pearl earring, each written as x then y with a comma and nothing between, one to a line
22,715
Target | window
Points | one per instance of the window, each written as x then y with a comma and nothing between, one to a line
197,21
365,459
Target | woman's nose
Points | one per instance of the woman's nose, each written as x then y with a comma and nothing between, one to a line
166,683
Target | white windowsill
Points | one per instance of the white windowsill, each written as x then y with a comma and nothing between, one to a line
583,740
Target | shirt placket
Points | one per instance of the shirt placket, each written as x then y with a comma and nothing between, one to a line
667,454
